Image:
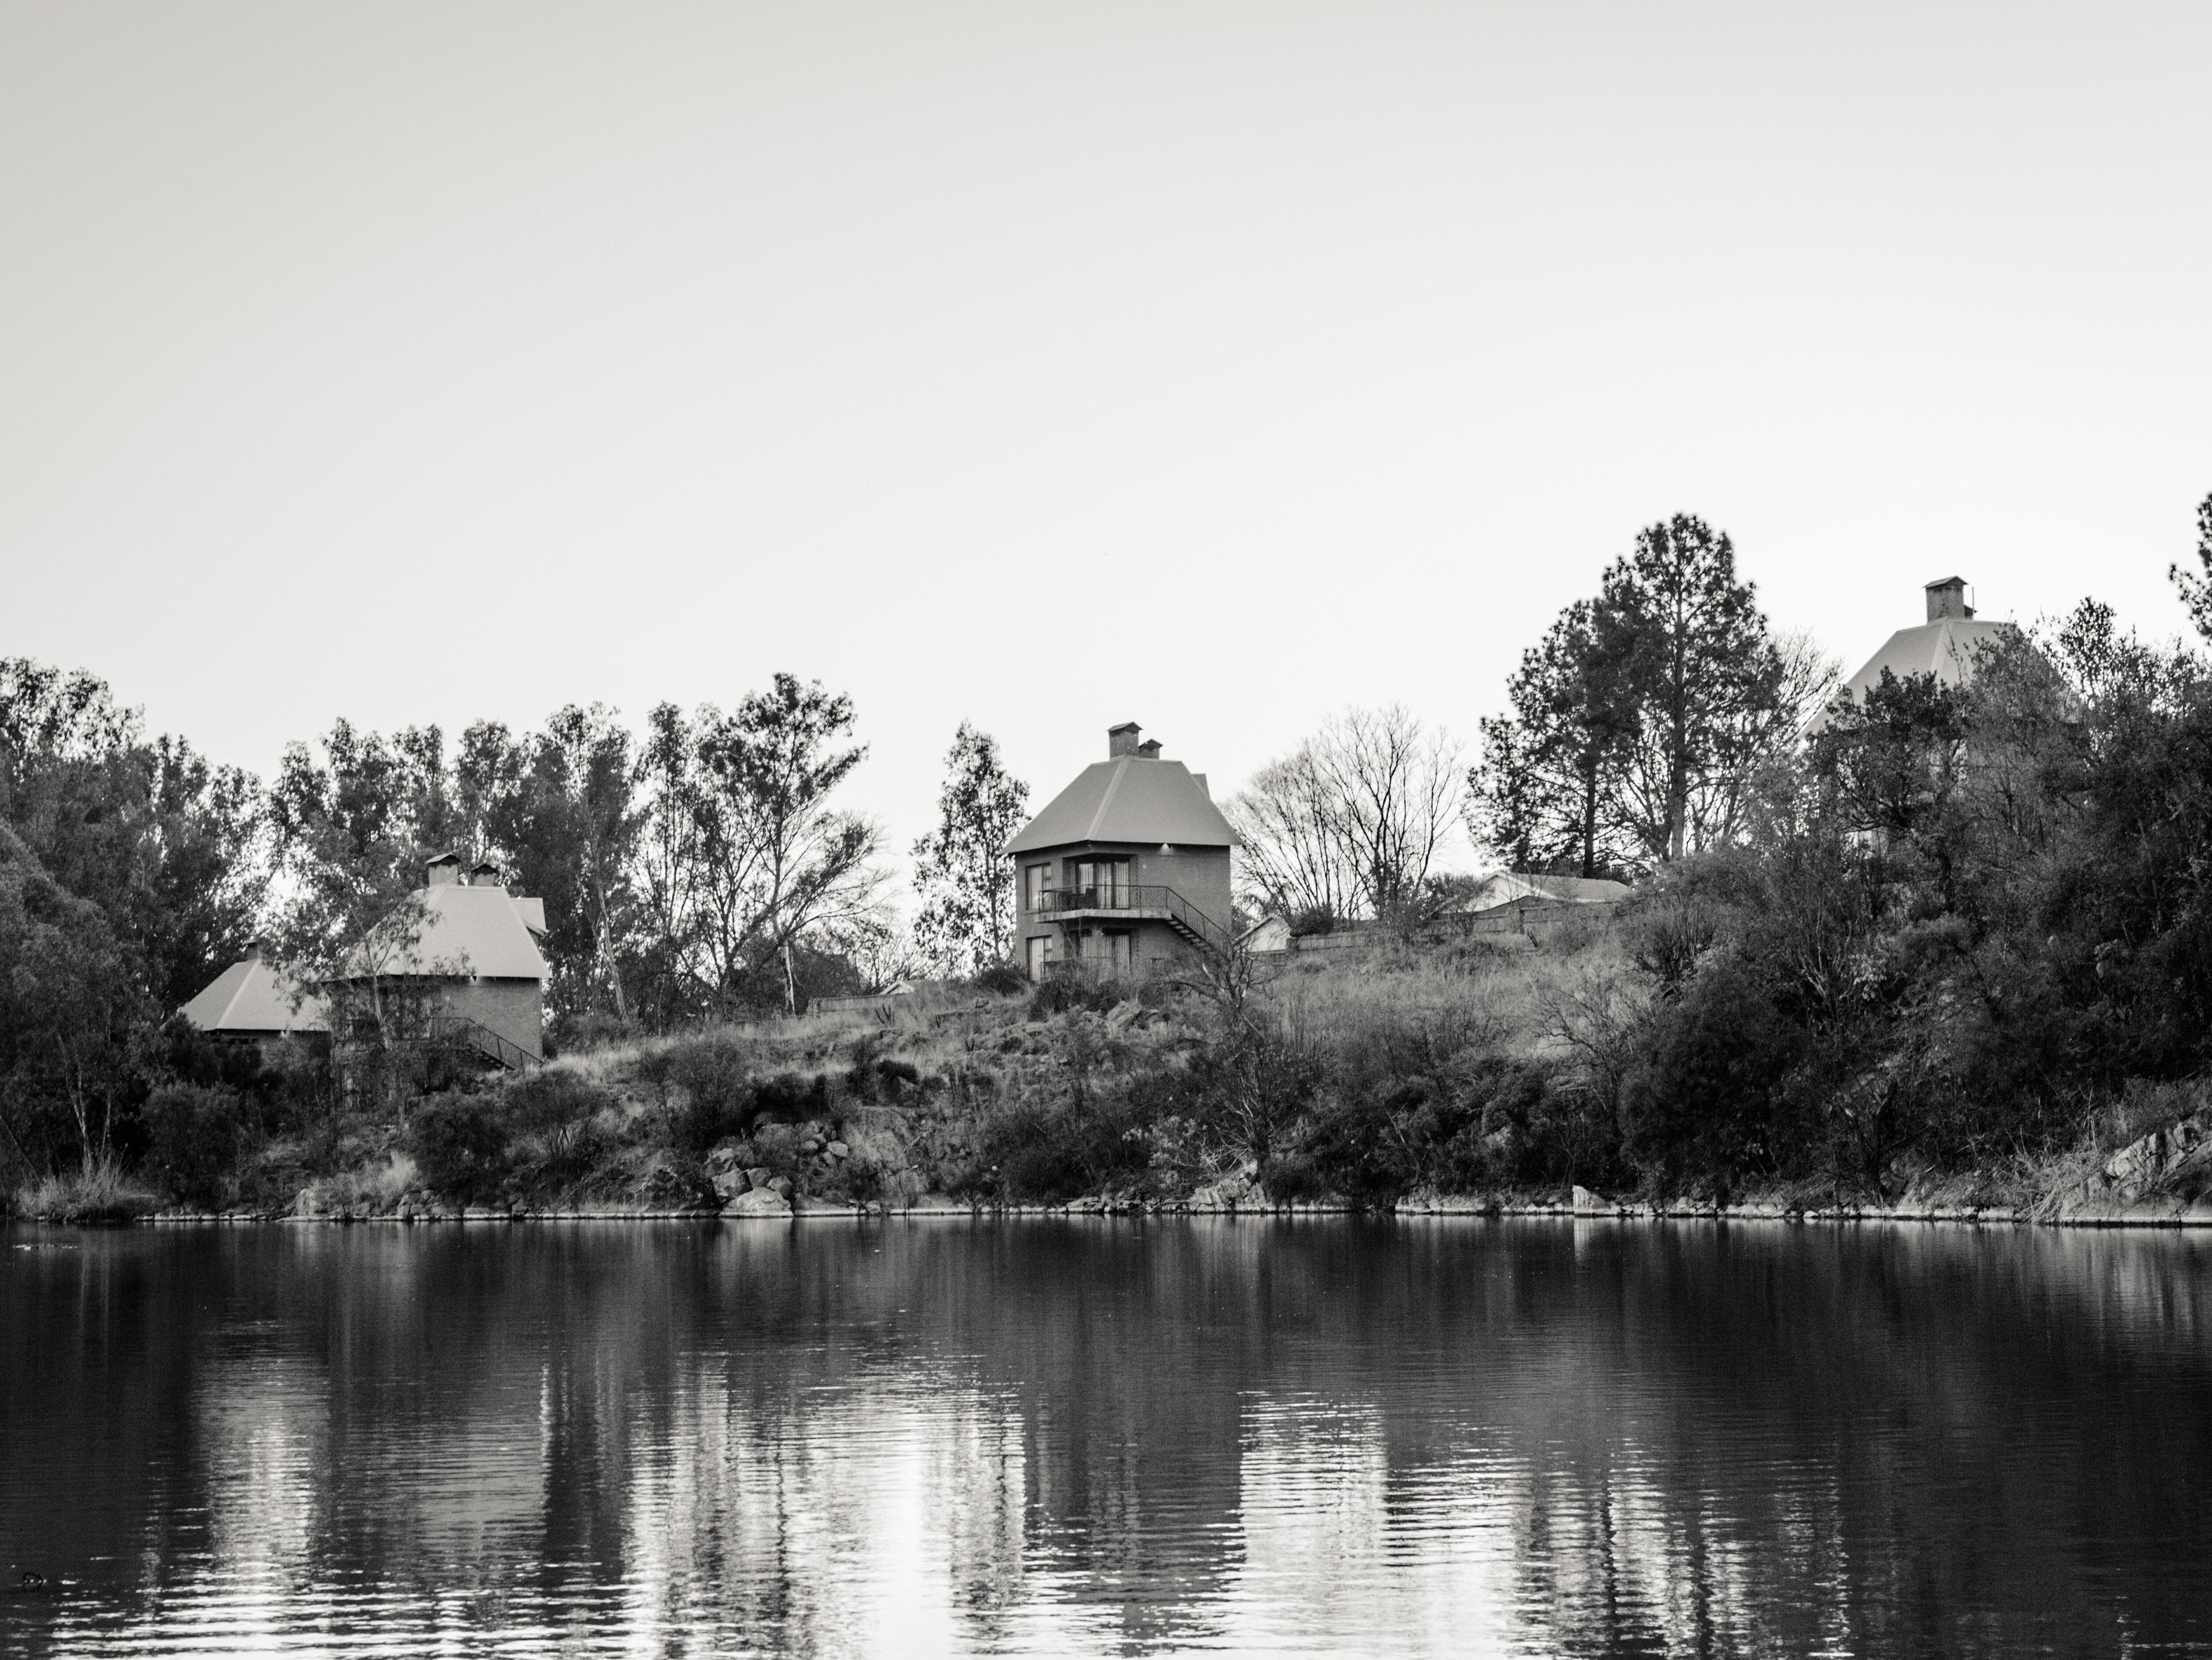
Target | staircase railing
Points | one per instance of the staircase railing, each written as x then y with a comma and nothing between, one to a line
474,1034
1138,897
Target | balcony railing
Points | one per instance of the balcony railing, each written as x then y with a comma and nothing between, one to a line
1140,902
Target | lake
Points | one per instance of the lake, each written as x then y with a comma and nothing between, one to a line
929,1435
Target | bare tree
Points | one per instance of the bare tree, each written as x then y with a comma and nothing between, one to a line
1391,787
1352,820
1291,861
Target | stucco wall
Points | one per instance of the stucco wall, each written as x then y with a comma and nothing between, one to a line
1200,875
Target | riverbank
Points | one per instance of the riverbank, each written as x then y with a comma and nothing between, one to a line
1471,1082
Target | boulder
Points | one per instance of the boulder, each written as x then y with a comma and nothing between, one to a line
2145,1162
758,1174
1591,1204
758,1201
838,1150
780,1184
729,1183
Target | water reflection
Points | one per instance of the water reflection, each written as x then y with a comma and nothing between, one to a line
926,1437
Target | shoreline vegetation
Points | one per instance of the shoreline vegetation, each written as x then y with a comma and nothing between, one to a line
959,1103
1936,944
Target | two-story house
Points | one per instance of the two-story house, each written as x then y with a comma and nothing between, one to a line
1127,871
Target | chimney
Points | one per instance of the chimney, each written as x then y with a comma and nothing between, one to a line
1150,748
485,874
1121,740
1947,600
446,867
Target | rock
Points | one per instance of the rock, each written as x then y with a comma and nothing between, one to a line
758,1174
2143,1163
810,1145
780,1184
758,1201
723,1157
838,1150
1591,1204
729,1183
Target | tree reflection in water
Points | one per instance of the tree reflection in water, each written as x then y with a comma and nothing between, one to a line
1116,1437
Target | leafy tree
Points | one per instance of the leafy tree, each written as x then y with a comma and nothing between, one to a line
2196,590
1705,679
743,854
965,923
1552,768
71,1011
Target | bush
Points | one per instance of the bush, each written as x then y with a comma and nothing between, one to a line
1059,996
460,1145
1001,979
195,1136
98,1195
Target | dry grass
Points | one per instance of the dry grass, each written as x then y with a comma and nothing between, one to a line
98,1194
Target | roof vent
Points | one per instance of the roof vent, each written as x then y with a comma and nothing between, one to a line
1947,600
1122,739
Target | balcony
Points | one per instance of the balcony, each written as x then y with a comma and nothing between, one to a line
1133,901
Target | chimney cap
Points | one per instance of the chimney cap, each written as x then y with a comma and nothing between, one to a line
441,868
1948,582
1150,748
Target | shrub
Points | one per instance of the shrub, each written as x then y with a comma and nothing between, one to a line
1001,979
460,1146
195,1137
100,1195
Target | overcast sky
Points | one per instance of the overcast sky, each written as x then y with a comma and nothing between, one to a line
1213,365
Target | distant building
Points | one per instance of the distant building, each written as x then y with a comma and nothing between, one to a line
1266,937
463,961
256,1000
1126,871
1512,887
1945,646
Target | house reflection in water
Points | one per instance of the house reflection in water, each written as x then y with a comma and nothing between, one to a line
1068,1437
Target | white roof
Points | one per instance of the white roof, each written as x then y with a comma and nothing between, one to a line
255,995
1507,886
1134,799
480,930
1944,650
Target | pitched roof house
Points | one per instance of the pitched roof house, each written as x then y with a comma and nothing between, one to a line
1512,887
1944,646
1126,871
257,998
465,948
471,948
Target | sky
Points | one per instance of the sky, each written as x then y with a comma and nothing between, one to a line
1214,366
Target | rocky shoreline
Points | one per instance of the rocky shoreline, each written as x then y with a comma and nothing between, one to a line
1582,1206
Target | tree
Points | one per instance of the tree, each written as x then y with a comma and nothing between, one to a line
965,923
1706,681
1543,793
1292,862
353,831
69,1010
1354,819
745,852
2195,590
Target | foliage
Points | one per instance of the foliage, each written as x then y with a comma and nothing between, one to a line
965,881
1643,726
461,1144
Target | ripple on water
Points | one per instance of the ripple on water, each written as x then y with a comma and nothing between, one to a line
1047,1438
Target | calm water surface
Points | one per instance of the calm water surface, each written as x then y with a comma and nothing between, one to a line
1074,1438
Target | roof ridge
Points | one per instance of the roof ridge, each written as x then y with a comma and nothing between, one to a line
1098,817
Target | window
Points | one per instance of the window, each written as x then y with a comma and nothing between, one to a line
1120,950
1101,884
1037,883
